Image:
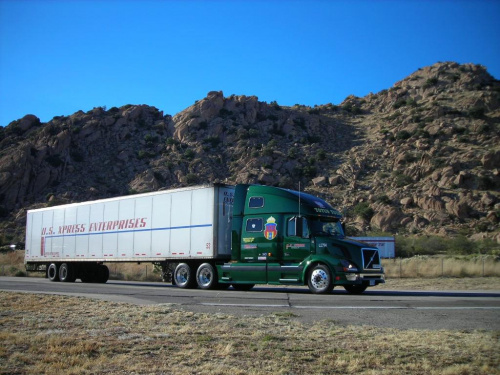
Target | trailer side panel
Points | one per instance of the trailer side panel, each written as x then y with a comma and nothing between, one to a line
175,224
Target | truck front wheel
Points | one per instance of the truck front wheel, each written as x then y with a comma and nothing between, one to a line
184,276
320,279
355,289
53,272
206,277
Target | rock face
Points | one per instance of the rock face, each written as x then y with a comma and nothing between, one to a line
425,154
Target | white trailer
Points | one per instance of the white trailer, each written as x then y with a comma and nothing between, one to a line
170,227
385,245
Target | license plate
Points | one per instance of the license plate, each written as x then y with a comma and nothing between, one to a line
372,282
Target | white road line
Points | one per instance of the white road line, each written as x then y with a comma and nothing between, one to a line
359,307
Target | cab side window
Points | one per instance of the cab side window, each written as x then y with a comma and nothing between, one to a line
254,225
297,227
256,202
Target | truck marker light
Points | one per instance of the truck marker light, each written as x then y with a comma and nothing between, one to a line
337,278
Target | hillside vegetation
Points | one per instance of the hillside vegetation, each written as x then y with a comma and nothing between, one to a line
422,157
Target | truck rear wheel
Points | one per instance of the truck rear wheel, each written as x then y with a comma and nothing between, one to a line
102,274
66,273
184,276
356,289
206,276
53,272
320,279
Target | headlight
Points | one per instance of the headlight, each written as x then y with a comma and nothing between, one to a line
347,266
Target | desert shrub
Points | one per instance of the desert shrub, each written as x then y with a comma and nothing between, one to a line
384,199
431,82
212,141
401,179
191,179
476,112
462,245
403,135
144,154
225,113
189,154
363,210
321,155
171,141
54,160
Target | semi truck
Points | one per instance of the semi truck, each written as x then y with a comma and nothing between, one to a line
211,237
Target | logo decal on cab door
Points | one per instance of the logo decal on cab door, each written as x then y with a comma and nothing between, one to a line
271,229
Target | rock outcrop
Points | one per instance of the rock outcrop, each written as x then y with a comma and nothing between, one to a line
424,154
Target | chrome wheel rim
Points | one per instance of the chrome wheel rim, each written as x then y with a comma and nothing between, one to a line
319,279
182,276
204,277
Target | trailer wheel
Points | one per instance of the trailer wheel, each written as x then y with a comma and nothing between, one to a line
184,276
320,279
67,273
355,289
102,274
53,272
206,276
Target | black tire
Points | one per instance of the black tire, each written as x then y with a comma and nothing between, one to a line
53,272
91,273
102,274
356,289
319,279
206,276
242,287
184,276
66,273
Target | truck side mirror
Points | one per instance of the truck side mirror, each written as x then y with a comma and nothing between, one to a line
343,228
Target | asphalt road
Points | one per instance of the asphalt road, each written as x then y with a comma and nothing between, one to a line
456,310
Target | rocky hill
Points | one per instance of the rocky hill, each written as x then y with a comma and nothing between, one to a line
420,157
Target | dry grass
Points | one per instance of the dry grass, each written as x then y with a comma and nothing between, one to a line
67,335
435,266
441,283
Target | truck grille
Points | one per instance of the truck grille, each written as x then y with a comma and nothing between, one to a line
371,259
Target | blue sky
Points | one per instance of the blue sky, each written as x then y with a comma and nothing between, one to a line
58,57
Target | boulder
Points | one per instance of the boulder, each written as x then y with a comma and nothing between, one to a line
319,181
460,209
491,160
144,182
387,218
430,203
406,202
335,180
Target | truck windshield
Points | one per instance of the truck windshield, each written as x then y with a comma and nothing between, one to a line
324,227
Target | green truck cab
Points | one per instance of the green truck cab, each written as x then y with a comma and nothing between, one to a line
285,237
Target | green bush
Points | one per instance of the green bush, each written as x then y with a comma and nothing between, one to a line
431,82
403,135
384,199
144,154
189,154
192,179
401,179
363,210
434,245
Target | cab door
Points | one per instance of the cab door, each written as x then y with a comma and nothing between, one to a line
297,242
262,248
